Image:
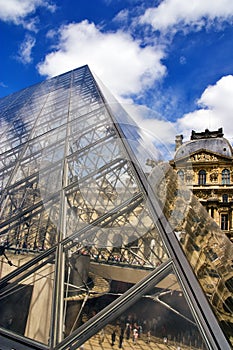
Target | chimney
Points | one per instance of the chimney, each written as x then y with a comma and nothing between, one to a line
178,141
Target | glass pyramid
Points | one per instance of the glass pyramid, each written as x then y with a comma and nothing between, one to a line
96,252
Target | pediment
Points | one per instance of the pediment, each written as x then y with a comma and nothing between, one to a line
207,156
203,155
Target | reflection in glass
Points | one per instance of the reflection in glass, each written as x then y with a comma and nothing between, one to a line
159,319
206,247
123,247
26,300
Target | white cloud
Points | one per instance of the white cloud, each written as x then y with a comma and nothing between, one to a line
122,16
217,110
25,49
160,129
155,130
173,13
16,11
119,60
3,85
30,24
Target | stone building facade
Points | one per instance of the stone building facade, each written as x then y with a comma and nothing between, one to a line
205,164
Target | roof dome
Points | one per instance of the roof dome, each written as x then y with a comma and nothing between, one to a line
218,145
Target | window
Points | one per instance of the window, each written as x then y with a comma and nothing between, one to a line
212,255
226,177
225,198
224,221
180,173
202,177
212,212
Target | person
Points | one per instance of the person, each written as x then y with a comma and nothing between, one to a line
148,337
128,330
139,331
113,337
135,335
121,340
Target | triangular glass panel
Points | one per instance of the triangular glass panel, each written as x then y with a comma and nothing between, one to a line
24,293
152,314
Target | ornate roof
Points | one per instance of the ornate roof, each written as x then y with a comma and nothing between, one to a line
211,141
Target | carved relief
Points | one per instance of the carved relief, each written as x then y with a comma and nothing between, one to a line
214,175
189,176
203,157
213,195
201,194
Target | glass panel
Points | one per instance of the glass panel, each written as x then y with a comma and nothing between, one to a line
31,230
95,257
26,300
158,318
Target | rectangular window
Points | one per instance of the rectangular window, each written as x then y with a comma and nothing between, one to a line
212,212
224,222
225,198
202,177
226,177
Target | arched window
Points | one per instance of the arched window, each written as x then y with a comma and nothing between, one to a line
225,198
225,177
202,177
180,173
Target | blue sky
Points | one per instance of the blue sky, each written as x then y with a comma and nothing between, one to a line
169,62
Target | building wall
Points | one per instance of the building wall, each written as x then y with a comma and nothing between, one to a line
210,176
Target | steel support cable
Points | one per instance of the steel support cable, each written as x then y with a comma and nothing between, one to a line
173,310
66,290
79,313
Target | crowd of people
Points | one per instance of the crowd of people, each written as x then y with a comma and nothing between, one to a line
129,329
